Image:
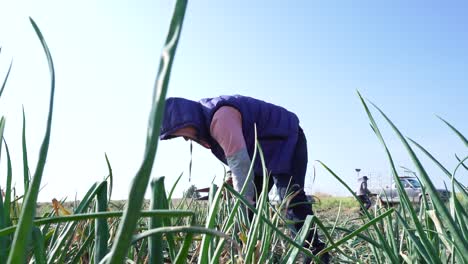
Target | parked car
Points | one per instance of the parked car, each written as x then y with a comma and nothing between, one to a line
412,186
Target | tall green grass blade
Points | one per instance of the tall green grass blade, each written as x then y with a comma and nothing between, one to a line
346,186
336,220
178,229
68,244
386,247
16,208
5,80
455,182
155,243
210,224
7,202
140,182
212,194
3,240
211,200
460,135
461,243
169,198
83,231
64,237
101,227
140,250
269,238
39,250
438,230
463,164
431,157
5,205
20,240
219,249
330,240
2,129
88,216
26,178
416,241
266,239
357,231
393,231
404,199
291,256
170,239
267,221
77,258
164,204
110,177
53,238
256,225
369,240
459,213
46,229
181,257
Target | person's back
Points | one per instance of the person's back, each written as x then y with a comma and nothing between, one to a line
362,193
362,186
276,129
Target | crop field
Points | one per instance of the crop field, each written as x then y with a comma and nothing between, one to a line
97,229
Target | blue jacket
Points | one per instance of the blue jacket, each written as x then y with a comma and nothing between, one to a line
277,128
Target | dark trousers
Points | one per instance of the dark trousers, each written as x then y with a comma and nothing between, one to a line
299,206
365,201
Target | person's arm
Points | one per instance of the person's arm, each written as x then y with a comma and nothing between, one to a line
226,129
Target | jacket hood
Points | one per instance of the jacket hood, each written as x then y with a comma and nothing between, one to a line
181,112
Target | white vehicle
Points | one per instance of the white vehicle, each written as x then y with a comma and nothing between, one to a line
412,186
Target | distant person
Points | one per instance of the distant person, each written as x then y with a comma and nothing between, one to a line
225,125
363,193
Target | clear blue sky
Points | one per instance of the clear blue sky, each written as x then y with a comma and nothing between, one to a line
308,56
